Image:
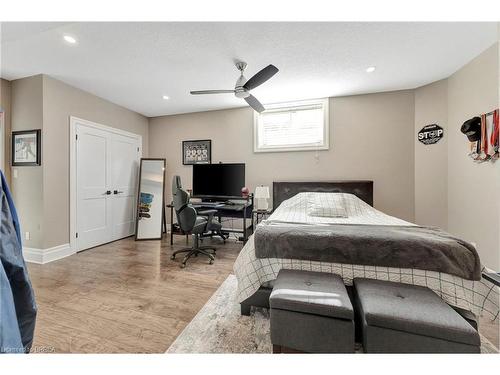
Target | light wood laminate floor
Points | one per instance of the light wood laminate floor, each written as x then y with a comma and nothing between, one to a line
123,297
129,297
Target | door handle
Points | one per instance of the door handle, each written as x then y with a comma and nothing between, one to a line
117,192
108,192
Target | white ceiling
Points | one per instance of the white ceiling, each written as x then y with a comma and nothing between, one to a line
135,64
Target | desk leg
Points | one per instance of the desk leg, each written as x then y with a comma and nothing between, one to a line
164,221
245,225
171,226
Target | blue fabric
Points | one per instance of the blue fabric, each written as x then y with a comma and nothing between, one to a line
13,212
17,300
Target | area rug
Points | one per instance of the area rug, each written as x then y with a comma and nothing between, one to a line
220,328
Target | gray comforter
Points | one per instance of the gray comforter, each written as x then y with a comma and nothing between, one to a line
375,245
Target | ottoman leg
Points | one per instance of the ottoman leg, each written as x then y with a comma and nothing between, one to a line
245,309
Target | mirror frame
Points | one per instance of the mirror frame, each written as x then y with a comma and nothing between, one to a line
163,221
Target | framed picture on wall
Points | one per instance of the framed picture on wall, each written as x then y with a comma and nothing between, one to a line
197,152
26,148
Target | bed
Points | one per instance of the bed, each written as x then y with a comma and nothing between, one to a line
255,275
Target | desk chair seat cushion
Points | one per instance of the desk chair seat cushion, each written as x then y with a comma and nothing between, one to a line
200,225
212,225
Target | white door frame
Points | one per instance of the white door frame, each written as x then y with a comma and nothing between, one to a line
73,241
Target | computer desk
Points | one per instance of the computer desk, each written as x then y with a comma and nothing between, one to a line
235,210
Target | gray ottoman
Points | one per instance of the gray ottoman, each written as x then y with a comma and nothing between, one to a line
311,312
402,318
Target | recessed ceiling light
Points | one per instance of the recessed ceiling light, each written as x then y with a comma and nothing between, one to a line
69,39
166,97
370,69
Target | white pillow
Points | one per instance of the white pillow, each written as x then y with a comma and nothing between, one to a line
326,205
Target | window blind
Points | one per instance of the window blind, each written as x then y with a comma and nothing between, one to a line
298,126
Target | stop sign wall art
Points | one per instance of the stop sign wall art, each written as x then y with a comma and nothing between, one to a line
430,134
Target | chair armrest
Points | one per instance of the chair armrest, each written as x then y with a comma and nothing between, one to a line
208,213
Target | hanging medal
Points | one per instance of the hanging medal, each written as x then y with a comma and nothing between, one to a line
495,137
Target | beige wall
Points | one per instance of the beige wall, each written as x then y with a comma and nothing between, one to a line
5,105
60,101
41,193
27,187
473,189
431,161
371,137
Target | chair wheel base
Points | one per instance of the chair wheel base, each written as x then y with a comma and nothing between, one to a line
194,252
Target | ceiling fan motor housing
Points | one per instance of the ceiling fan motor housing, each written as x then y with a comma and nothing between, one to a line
239,90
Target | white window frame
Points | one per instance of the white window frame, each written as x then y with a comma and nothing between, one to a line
289,106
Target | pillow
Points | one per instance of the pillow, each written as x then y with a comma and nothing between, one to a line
326,205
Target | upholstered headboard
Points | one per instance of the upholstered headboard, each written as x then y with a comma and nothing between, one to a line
285,190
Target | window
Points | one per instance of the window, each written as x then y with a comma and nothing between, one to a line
297,126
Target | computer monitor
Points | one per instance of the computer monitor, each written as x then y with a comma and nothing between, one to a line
218,180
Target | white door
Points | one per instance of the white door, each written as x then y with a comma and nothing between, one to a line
106,185
124,171
93,191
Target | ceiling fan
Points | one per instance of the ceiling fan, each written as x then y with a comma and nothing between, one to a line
243,87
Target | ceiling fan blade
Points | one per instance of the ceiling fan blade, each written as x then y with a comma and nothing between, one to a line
261,77
254,103
202,92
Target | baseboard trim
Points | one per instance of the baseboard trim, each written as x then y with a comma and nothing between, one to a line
43,256
33,255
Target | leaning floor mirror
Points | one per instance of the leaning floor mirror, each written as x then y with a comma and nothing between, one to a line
150,200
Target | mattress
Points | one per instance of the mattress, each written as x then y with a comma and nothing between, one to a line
480,297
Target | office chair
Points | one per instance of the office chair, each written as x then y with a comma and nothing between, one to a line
192,223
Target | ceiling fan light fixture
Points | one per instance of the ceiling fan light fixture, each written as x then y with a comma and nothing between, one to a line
69,39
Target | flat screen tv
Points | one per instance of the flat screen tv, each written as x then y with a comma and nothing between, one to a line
218,180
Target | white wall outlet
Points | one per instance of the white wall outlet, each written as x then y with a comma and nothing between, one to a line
27,236
316,157
15,172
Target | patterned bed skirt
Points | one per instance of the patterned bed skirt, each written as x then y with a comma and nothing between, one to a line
480,297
